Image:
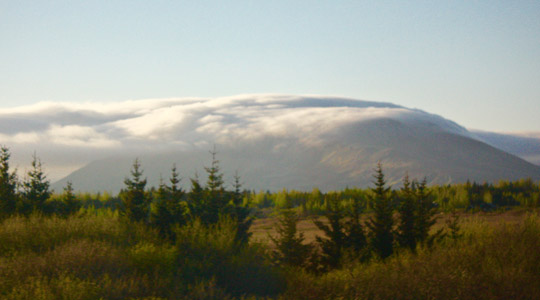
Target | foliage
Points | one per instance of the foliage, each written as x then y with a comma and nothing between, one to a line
35,189
382,223
8,185
135,202
290,249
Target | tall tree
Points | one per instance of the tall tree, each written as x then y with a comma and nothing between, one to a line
8,185
36,187
196,198
240,212
425,216
134,198
290,249
407,231
169,209
355,235
214,192
333,245
69,202
381,225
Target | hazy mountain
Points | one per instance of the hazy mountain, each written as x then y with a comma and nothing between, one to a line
524,145
279,141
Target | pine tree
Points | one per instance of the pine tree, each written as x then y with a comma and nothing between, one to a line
169,209
176,204
134,199
240,212
333,245
196,199
425,216
290,249
215,202
36,188
8,185
69,202
160,215
381,225
355,235
407,232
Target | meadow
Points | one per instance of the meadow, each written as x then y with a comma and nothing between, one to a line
94,254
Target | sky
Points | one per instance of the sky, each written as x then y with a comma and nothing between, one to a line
474,62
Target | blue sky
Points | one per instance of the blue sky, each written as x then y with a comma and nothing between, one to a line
474,62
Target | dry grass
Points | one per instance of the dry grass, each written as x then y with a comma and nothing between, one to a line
264,226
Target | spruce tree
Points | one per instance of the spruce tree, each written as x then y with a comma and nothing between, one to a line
215,202
35,188
160,215
134,199
70,203
196,199
381,225
290,249
240,212
8,185
333,245
425,216
407,231
169,209
355,235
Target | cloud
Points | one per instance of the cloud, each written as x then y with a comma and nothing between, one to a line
87,131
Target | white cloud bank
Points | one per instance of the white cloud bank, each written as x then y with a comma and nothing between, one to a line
68,135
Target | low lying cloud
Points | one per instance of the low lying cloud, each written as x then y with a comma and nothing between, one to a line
69,134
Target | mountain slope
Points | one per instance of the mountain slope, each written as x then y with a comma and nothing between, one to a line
279,141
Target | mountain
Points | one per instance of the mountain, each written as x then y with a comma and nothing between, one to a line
294,142
524,145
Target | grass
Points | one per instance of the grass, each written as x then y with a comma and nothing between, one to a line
97,255
489,262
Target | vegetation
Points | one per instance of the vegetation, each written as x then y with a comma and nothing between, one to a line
167,243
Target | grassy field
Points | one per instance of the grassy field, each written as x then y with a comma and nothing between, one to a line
96,255
262,227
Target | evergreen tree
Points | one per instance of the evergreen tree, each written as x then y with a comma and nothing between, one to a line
355,235
196,199
160,215
169,209
407,231
425,216
215,202
8,185
453,226
289,247
36,188
70,203
134,198
333,245
381,225
240,212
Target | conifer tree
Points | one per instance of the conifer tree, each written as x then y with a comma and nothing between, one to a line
196,199
407,231
333,245
240,212
290,249
70,203
36,188
160,215
355,235
8,185
425,216
170,209
381,225
215,201
134,199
